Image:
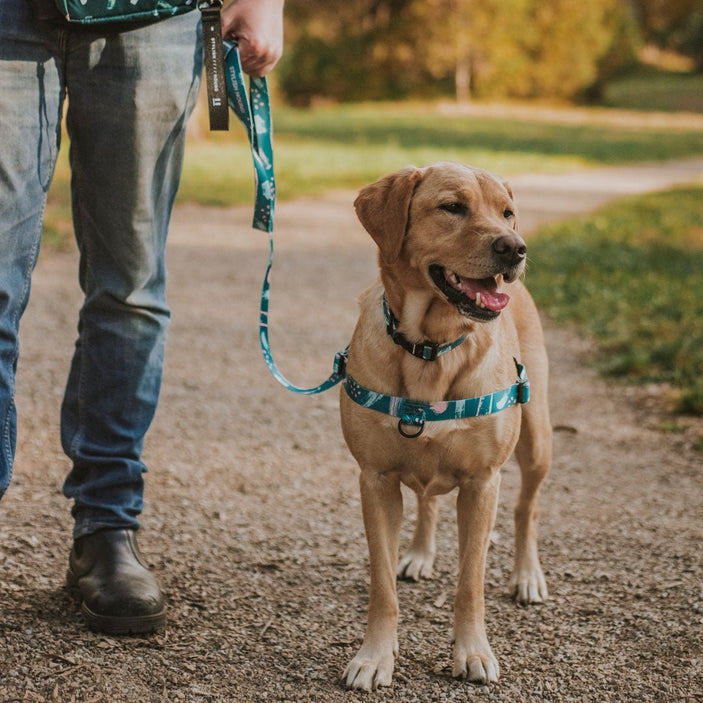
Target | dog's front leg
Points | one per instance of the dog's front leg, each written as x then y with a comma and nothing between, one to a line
382,506
476,510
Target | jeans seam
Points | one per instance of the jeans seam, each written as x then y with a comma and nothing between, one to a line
80,395
11,410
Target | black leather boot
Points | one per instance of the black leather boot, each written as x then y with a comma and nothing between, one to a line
118,592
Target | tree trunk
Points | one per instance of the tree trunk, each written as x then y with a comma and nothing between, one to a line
462,79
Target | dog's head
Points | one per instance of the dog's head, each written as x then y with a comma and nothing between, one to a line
449,228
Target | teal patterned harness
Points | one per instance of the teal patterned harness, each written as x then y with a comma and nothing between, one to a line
416,413
253,110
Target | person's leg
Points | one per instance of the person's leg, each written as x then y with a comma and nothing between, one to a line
130,95
31,97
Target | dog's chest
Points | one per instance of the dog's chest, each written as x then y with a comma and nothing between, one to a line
449,453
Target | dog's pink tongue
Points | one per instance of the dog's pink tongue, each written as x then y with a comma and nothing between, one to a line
488,290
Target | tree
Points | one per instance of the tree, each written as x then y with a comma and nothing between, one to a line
359,49
548,48
673,24
387,49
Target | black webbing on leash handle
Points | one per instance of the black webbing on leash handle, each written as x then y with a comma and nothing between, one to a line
214,64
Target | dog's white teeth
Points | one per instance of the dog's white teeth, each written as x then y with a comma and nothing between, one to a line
478,300
454,279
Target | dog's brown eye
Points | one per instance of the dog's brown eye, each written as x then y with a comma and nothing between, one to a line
508,214
454,208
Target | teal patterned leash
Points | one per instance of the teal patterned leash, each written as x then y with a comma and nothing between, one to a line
254,111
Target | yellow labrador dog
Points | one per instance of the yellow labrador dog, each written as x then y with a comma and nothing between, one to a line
445,322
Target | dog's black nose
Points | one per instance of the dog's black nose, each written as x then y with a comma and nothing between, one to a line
510,248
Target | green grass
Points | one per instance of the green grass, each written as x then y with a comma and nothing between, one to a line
349,146
648,88
631,277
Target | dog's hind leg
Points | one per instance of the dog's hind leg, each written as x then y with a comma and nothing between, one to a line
417,562
382,506
534,454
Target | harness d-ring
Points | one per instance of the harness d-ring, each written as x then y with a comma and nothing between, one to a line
420,428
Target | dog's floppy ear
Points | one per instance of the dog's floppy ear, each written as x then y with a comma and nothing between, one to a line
383,209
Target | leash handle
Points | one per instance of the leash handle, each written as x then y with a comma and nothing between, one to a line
253,109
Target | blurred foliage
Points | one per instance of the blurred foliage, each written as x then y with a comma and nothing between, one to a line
390,49
673,24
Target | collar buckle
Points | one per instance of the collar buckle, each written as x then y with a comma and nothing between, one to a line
428,351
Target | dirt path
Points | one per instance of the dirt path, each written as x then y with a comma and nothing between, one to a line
253,519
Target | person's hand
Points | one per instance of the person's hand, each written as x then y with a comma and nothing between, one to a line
257,26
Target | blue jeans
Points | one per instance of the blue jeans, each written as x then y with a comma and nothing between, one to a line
129,96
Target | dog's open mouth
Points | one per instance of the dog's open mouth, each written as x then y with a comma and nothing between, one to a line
480,299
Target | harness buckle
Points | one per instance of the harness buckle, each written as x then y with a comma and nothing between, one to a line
523,392
340,362
428,351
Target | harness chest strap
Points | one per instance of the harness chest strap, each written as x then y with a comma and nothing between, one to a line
415,413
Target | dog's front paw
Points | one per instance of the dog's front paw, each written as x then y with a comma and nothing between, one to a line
415,565
476,666
528,586
370,668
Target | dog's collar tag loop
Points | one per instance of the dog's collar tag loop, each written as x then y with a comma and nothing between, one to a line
419,428
426,350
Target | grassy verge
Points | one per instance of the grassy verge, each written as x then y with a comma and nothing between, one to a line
648,88
349,146
631,277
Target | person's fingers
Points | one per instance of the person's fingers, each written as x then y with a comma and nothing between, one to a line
257,59
257,26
